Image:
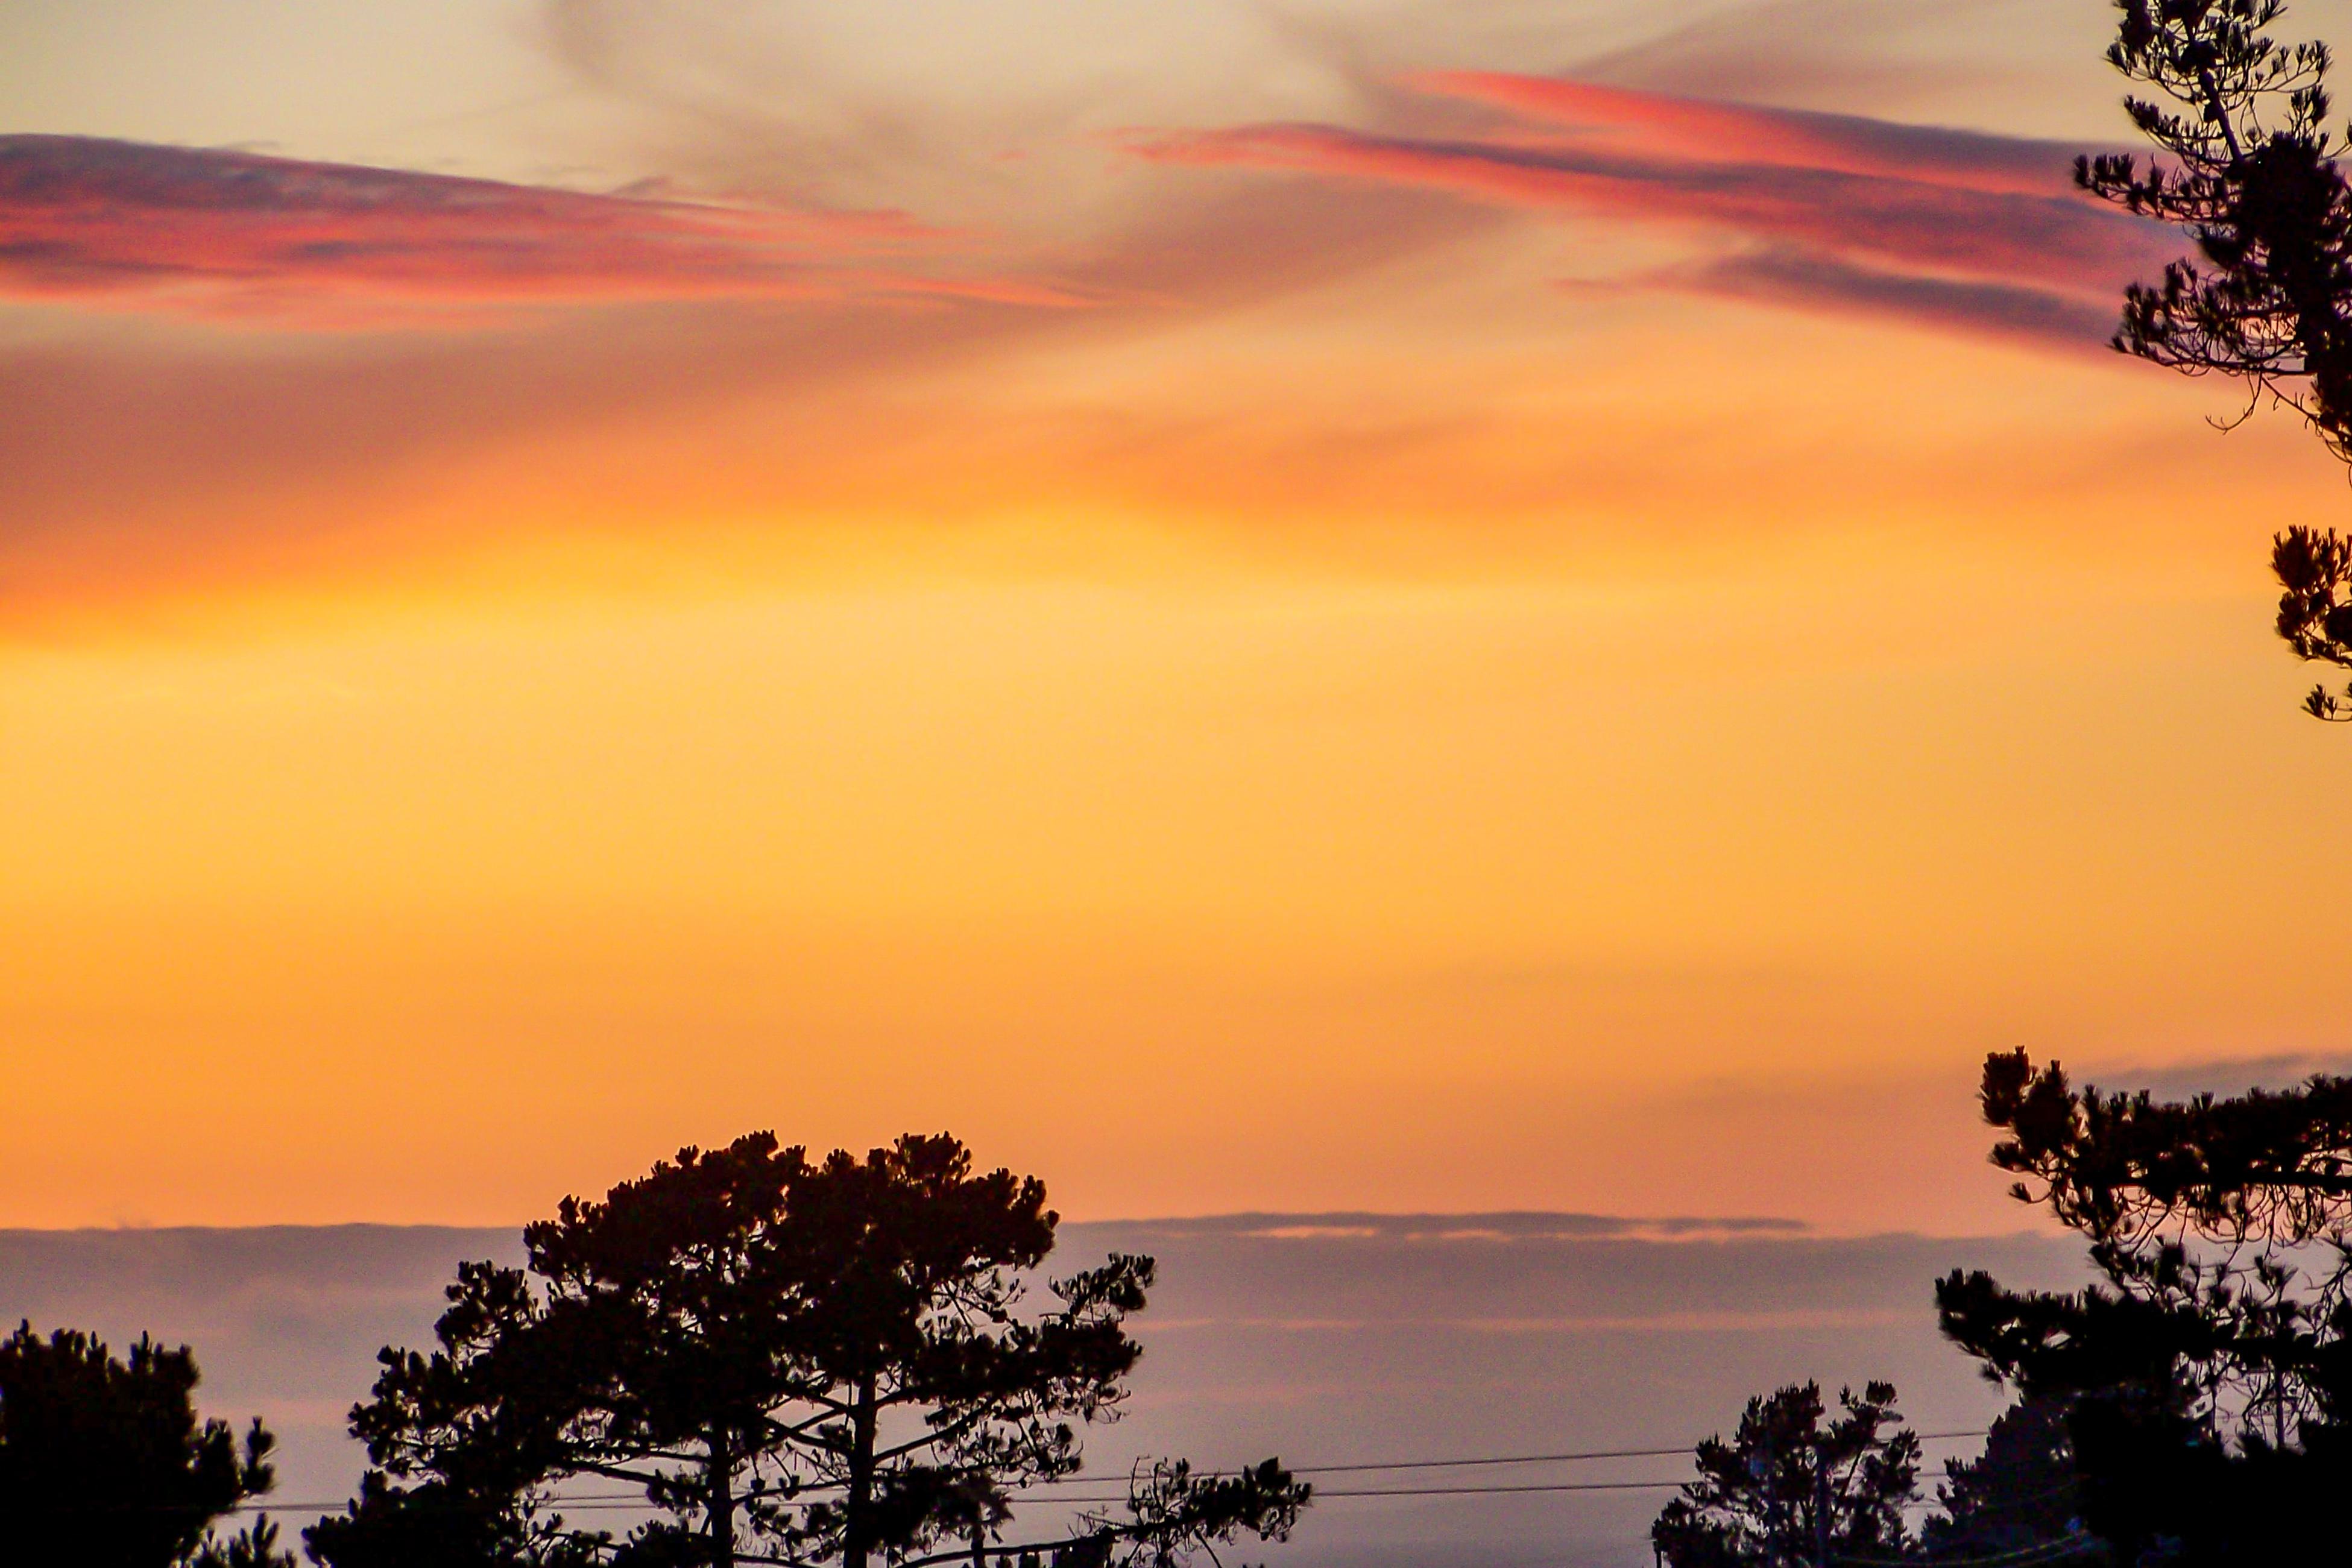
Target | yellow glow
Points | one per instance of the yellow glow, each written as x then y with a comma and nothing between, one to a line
1397,732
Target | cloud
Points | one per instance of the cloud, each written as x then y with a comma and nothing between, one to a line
1912,221
1850,50
2180,1081
1810,280
1543,1225
1702,128
1951,229
1330,1350
214,232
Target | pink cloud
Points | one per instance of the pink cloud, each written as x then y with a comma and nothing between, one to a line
1715,131
1958,228
224,233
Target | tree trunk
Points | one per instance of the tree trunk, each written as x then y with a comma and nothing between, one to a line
857,1538
721,1474
1820,1510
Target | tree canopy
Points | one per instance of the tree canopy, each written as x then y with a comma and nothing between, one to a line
790,1360
2207,1376
1797,1484
2250,172
2204,1382
2019,1497
103,1462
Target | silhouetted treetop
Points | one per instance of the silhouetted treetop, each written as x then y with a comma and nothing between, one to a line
1797,1484
103,1462
2021,1496
2250,173
2273,1165
796,1360
2207,1376
2241,118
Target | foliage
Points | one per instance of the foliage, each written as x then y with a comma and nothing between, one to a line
1172,1513
2273,1166
2207,1375
2251,174
1791,1488
2016,1499
437,1521
103,1462
790,1360
253,1547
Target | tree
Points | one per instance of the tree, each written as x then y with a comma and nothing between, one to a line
2207,1377
1172,1513
103,1462
2253,176
2018,1498
790,1360
1792,1490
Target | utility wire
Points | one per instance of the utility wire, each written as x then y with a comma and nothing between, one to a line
1536,1459
2041,1552
582,1500
631,1500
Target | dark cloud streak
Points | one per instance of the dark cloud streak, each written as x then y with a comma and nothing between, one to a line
1748,133
1950,228
221,233
1812,281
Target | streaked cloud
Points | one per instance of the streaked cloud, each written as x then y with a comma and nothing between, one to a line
1952,228
1808,279
1847,51
1701,128
214,232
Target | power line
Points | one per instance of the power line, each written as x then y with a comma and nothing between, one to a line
586,1500
2055,1551
634,1500
1539,1459
1491,1492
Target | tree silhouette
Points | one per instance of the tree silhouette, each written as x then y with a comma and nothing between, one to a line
2251,174
1791,1489
2019,1498
104,1464
2206,1379
790,1360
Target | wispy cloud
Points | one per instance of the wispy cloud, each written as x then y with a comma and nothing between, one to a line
1952,228
2182,1080
1705,129
215,232
1808,279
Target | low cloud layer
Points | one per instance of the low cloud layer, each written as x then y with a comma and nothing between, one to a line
1328,1339
220,233
1949,228
2184,1079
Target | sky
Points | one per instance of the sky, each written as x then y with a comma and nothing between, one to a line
1375,605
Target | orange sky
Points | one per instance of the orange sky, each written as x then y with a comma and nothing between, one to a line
1240,621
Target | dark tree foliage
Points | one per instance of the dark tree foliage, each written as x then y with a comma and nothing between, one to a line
2250,173
1172,1513
2018,1498
433,1521
790,1360
104,1464
2271,1166
2208,1376
1793,1487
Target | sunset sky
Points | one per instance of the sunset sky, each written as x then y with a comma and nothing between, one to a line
1378,604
